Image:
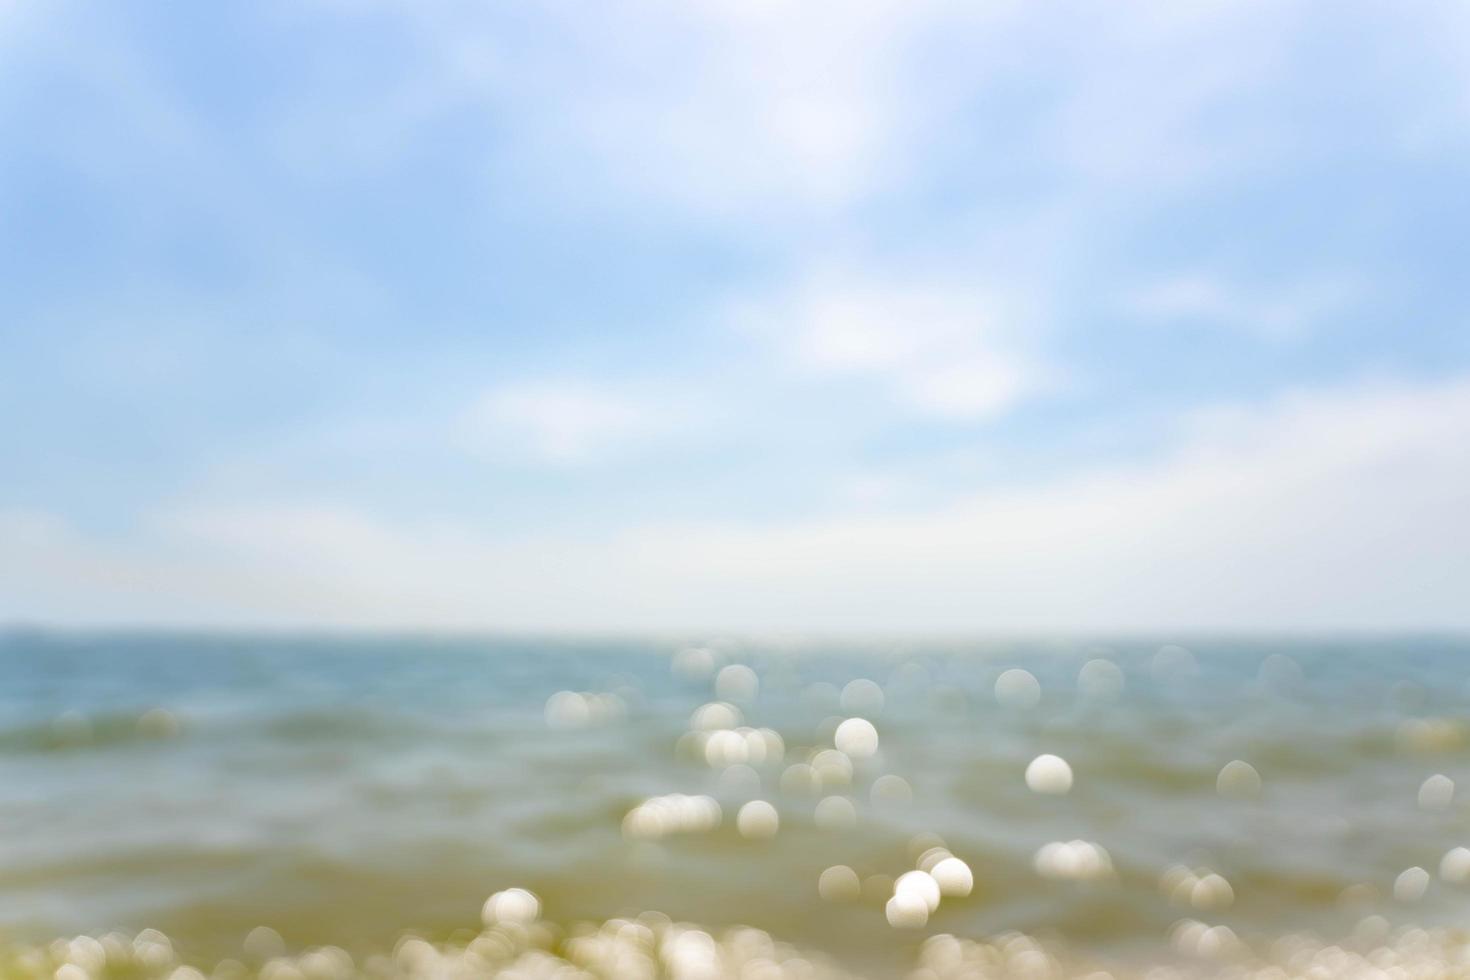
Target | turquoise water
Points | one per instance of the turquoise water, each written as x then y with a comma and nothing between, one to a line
347,791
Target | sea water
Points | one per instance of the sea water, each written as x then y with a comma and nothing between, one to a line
298,806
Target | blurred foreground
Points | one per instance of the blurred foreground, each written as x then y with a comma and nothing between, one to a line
314,808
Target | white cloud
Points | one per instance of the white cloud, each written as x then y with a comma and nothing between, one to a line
949,351
1153,93
1335,508
1280,314
801,110
718,107
565,422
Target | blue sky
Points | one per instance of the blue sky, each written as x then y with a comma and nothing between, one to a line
911,316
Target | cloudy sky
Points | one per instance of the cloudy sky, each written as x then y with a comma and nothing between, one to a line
736,314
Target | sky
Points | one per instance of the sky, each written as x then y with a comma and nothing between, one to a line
837,315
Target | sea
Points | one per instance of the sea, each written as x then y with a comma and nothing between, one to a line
320,805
